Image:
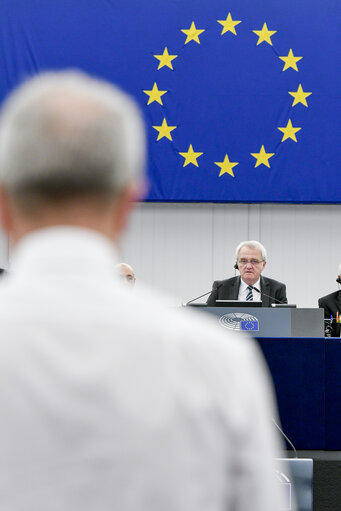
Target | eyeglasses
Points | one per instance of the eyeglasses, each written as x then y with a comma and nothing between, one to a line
253,262
128,278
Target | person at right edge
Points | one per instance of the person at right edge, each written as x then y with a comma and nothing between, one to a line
108,399
332,307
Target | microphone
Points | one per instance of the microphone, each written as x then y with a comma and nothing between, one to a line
338,280
285,436
268,296
201,296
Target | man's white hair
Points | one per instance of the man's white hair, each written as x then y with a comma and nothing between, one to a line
340,269
252,244
63,132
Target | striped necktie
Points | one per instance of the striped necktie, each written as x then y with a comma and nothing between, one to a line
249,296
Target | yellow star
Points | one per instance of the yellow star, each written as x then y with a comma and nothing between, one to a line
262,157
226,166
229,24
165,59
155,94
300,96
192,33
290,61
289,131
264,34
164,130
191,156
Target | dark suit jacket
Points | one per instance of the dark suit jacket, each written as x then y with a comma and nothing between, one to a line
331,305
228,290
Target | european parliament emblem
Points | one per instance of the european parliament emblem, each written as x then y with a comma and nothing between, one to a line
236,320
249,325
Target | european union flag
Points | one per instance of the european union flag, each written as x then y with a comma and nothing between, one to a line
242,99
249,325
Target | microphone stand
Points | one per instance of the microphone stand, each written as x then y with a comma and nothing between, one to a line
285,436
201,296
268,296
197,298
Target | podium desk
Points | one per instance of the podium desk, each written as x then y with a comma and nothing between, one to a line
307,376
305,368
298,369
270,321
306,371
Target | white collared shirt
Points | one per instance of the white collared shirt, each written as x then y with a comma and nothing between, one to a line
110,401
243,291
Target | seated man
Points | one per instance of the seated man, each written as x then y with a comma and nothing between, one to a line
332,305
250,261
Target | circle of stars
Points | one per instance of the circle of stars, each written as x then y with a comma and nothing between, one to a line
193,35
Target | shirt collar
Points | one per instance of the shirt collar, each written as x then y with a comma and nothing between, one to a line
244,286
55,249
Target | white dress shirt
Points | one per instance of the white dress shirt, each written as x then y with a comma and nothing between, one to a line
243,291
108,401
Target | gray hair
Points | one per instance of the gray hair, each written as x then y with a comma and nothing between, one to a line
252,244
65,133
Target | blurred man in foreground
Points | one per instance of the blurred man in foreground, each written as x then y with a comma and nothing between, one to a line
109,401
126,273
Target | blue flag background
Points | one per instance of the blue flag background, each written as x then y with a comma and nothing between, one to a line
226,97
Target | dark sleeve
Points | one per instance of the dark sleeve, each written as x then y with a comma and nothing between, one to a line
214,294
282,293
327,314
323,305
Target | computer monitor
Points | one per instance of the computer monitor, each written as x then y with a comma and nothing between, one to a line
237,303
284,305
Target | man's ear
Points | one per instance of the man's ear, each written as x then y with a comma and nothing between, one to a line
264,264
5,211
122,207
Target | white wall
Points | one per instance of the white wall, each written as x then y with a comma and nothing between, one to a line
4,250
182,248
